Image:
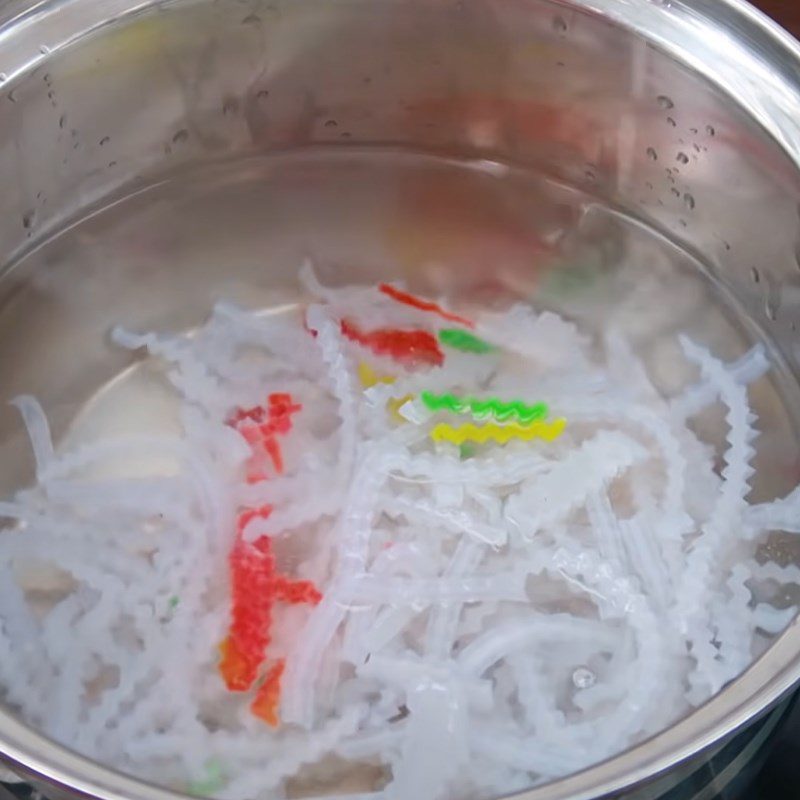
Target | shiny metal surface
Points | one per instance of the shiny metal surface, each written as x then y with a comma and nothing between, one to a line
684,114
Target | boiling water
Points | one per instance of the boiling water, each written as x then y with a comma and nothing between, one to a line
480,234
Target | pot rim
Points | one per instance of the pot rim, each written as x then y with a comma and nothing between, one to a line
756,46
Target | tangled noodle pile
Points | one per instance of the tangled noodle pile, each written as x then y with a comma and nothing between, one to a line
466,554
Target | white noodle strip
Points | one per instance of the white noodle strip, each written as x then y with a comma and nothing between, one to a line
627,369
650,669
538,702
527,754
737,471
643,554
341,383
606,527
38,430
305,749
771,571
191,378
423,511
301,512
379,590
435,746
311,283
408,673
734,624
503,640
363,796
388,625
725,520
255,329
551,497
371,743
629,415
749,368
303,663
444,617
15,511
545,338
730,505
485,472
15,616
780,515
773,620
141,495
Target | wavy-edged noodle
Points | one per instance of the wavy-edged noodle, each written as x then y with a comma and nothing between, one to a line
17,692
325,503
545,338
526,753
304,749
549,498
749,368
733,623
285,490
379,590
780,515
725,519
631,415
740,419
16,617
360,508
770,571
190,375
133,679
342,385
773,620
195,463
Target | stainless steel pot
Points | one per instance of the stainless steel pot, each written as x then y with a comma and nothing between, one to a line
684,113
